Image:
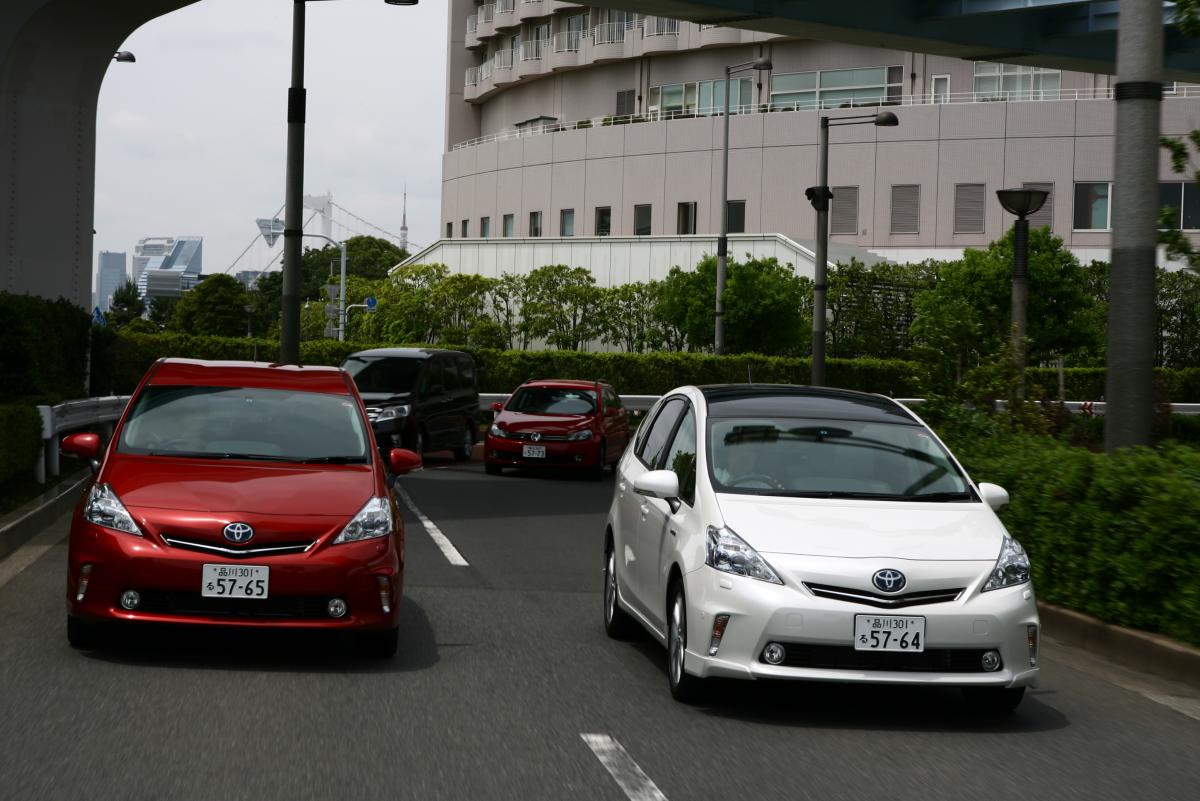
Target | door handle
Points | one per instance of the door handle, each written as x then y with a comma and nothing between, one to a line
672,532
621,486
645,509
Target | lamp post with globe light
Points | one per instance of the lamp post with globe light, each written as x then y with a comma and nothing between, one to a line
1020,203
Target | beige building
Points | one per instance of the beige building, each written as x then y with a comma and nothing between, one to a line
568,121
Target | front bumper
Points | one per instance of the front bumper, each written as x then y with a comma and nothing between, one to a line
559,454
168,580
819,634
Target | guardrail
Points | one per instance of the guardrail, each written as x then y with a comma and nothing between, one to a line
72,416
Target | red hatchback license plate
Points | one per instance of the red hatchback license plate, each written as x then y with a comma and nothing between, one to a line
234,581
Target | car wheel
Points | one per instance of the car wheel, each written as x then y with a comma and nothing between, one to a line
684,686
597,472
379,644
993,700
492,469
418,442
84,635
464,451
618,624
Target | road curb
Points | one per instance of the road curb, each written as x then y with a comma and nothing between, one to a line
21,525
1139,650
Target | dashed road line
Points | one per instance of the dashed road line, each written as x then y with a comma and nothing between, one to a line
441,540
620,765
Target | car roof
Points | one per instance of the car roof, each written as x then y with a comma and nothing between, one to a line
405,353
788,400
572,383
261,375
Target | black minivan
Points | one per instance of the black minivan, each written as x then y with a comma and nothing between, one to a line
423,399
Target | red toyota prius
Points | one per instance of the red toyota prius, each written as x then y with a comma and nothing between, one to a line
244,494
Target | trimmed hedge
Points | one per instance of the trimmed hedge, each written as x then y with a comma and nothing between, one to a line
20,439
1111,536
43,349
1087,383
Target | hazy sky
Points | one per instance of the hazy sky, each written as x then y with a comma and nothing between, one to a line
191,138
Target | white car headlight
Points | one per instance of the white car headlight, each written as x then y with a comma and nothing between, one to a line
580,436
104,508
729,553
498,431
1012,566
373,520
392,412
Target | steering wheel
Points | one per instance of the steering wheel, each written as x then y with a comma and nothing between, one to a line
756,478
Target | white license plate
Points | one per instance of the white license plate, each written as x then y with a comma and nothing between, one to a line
533,451
234,581
889,633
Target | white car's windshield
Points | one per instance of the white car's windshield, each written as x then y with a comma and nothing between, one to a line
240,423
808,457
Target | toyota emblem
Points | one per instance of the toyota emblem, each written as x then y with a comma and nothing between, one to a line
888,580
238,532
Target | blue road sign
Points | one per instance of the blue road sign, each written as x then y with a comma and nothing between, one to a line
371,303
98,317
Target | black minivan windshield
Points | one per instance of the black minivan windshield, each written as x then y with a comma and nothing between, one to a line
380,374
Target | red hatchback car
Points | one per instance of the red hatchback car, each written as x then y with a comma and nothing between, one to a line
244,494
558,423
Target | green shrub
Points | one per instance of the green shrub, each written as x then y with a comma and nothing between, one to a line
43,348
20,439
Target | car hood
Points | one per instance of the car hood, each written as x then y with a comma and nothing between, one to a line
860,529
520,421
249,488
377,398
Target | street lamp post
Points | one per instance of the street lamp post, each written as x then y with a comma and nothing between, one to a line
761,63
271,228
1021,203
289,337
819,196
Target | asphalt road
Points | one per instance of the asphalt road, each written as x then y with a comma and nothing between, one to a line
503,667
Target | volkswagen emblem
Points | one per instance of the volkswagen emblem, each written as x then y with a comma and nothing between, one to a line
888,580
239,532
536,436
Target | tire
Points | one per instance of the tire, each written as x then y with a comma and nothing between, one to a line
379,644
466,448
492,469
685,688
597,471
993,700
83,635
618,624
418,442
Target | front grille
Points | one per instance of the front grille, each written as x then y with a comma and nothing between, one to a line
548,459
885,601
844,657
193,603
275,549
528,435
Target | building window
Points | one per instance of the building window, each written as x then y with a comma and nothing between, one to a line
1043,217
641,220
449,230
906,209
1014,82
1091,206
506,226
464,229
968,208
866,86
1183,199
603,220
939,88
686,219
843,211
702,97
535,223
736,209
485,227
625,102
566,222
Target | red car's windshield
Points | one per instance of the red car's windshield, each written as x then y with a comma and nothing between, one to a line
552,400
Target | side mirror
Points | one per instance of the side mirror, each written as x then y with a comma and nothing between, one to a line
497,406
85,446
662,484
994,495
402,461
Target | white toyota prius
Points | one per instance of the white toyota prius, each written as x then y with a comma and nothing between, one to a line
766,531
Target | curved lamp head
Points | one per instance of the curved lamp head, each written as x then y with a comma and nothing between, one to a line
124,56
1022,202
886,119
762,63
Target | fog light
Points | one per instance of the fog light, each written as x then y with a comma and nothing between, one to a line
579,457
718,632
85,574
991,661
774,653
385,593
130,599
337,608
1032,638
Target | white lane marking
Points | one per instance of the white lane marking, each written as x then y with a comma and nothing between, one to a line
620,765
451,553
33,550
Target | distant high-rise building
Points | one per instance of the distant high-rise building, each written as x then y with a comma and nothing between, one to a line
110,276
167,266
404,222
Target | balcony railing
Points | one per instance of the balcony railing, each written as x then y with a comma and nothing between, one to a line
472,76
505,6
567,41
532,50
609,33
472,24
660,26
503,59
486,12
485,71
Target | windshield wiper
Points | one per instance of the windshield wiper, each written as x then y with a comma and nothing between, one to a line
219,455
871,496
939,496
334,460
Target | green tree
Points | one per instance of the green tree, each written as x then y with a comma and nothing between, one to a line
508,298
464,299
561,306
161,310
627,316
126,305
216,307
1178,337
366,256
871,308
